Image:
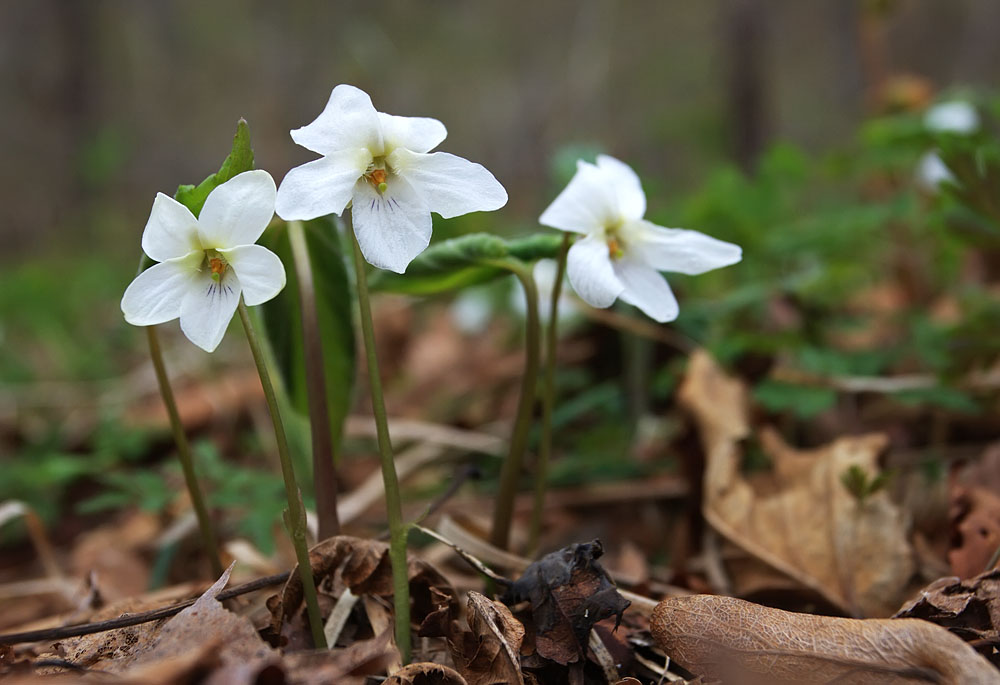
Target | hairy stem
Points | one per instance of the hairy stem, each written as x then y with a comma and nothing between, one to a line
324,473
398,531
295,516
548,400
511,470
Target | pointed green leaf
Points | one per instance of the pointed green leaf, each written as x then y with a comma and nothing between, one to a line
283,319
240,159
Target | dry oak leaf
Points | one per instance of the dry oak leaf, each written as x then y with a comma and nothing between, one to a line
968,608
738,642
363,567
799,519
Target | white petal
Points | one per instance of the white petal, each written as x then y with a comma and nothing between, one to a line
208,307
586,205
155,295
647,289
323,186
626,185
678,250
952,117
449,185
238,211
392,228
259,271
419,134
348,121
171,231
588,266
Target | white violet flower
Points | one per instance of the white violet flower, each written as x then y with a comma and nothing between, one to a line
620,253
207,263
952,117
382,165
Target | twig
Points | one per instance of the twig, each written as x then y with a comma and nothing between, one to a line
468,558
135,619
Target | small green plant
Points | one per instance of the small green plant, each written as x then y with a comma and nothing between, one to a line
860,484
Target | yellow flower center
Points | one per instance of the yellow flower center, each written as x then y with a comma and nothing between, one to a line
218,266
377,178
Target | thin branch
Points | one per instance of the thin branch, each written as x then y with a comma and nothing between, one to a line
135,619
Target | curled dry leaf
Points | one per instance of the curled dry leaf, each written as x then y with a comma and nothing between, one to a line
425,673
738,642
569,592
974,518
363,567
970,609
491,653
800,519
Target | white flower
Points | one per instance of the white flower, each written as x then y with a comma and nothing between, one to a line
206,263
932,172
382,165
621,254
952,117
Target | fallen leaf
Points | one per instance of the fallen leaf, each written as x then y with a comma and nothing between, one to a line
974,515
425,673
799,519
348,666
569,592
738,642
491,652
363,567
970,609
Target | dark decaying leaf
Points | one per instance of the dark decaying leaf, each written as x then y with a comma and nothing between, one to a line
425,673
569,592
364,568
967,608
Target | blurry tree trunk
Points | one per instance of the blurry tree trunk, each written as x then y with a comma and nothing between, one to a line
744,45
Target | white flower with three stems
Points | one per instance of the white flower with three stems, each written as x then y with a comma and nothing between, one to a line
382,166
621,254
207,263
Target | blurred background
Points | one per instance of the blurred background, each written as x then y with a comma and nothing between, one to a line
794,129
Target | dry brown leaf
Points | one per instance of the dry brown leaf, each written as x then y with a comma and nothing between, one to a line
495,644
363,567
801,519
974,515
425,673
348,666
970,609
740,642
114,555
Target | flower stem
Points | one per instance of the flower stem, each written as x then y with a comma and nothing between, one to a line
548,400
397,530
324,474
503,511
295,517
208,539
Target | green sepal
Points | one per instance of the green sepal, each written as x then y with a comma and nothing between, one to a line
240,159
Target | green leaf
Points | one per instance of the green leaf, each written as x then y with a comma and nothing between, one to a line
240,159
283,319
802,400
459,263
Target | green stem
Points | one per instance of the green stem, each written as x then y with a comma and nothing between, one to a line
208,539
324,473
394,510
503,511
295,517
548,400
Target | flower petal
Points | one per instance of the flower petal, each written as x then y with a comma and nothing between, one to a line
392,227
588,266
208,307
626,185
586,205
349,120
419,134
449,185
259,271
238,211
155,295
679,250
321,187
171,231
647,289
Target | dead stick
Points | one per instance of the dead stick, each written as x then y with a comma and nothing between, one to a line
134,619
